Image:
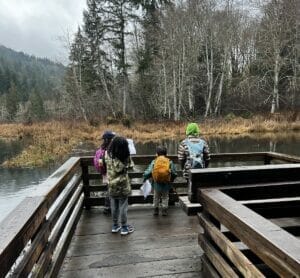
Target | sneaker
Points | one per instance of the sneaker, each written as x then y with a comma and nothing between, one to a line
115,228
155,212
164,212
127,229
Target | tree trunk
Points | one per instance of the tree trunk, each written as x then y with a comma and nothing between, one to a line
174,94
219,95
79,93
165,84
209,70
275,95
103,81
220,89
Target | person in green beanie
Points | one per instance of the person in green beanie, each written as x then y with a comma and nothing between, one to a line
193,152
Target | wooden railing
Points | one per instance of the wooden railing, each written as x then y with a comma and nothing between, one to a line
35,236
95,190
250,217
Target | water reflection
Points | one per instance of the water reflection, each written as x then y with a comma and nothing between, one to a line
15,184
9,148
288,143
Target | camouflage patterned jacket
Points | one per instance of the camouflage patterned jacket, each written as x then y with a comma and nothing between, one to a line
118,180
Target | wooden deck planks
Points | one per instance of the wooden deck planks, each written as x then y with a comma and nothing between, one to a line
275,246
160,246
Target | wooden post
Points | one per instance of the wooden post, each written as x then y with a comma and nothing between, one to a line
86,183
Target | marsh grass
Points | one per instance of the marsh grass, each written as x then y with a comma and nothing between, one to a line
52,141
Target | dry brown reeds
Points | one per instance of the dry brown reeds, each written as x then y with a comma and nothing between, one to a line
51,141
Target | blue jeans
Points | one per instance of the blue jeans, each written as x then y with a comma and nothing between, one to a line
119,208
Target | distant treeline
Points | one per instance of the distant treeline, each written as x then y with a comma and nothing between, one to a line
182,59
167,59
27,85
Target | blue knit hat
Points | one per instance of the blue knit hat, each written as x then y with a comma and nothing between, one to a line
108,135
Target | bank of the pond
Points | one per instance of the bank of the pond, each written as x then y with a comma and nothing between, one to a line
52,141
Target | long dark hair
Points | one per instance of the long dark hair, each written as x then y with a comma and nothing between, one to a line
107,137
106,142
119,149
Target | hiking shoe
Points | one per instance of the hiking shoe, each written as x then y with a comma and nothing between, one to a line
155,212
164,212
115,228
127,229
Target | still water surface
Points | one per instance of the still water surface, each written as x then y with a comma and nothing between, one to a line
15,184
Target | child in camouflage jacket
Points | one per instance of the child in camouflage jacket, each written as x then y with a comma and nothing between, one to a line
118,162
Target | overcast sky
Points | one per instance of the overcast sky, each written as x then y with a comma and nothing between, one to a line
36,26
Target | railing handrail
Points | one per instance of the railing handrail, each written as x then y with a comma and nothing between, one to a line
30,218
276,247
25,220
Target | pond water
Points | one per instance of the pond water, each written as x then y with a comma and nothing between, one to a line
15,184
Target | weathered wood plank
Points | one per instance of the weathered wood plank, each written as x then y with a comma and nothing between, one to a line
212,177
18,228
262,190
66,237
229,249
216,258
46,257
282,222
31,256
290,224
151,244
188,207
145,269
285,207
156,248
284,157
216,157
276,247
208,269
178,183
124,257
56,183
136,197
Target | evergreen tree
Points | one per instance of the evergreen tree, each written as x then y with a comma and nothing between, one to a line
12,102
117,14
98,62
75,76
151,27
36,107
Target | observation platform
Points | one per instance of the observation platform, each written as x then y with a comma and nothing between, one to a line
238,218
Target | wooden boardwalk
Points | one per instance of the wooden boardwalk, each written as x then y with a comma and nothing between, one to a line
159,247
259,206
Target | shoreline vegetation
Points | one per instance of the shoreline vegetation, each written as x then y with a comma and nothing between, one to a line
53,141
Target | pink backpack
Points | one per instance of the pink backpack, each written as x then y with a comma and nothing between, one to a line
100,153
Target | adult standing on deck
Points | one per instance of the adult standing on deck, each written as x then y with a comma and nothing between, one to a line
193,152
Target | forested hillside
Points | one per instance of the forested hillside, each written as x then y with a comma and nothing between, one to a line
180,59
26,84
163,59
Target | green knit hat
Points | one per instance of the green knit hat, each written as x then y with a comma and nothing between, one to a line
192,129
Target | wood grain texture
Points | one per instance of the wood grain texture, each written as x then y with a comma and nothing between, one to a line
18,228
216,258
160,246
229,249
276,247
